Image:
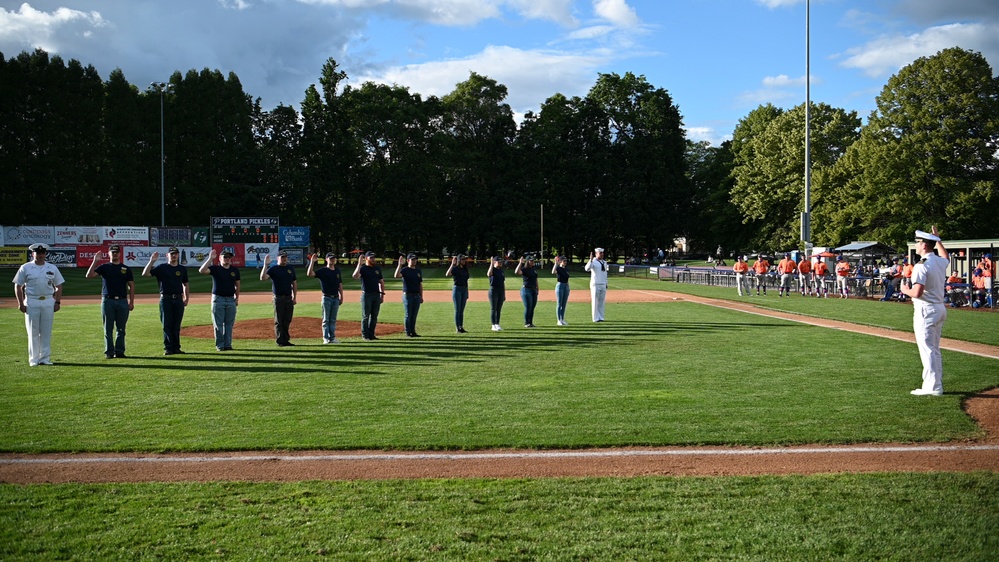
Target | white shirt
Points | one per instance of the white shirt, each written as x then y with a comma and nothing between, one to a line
39,280
931,273
598,271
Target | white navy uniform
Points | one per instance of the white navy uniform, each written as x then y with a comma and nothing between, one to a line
40,284
598,287
929,313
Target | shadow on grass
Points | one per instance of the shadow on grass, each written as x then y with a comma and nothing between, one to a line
366,357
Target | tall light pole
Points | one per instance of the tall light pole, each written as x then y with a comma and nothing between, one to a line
806,219
162,88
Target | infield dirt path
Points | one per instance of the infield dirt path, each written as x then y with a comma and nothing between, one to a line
620,462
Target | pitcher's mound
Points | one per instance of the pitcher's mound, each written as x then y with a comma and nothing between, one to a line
301,328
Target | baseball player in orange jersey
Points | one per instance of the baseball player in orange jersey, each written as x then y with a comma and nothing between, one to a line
988,270
786,267
820,272
741,268
842,277
761,267
804,276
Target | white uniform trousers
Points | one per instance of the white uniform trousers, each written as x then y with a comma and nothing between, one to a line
38,321
742,283
598,296
927,323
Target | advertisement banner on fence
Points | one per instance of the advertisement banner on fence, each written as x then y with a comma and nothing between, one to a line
126,233
85,254
76,235
13,256
28,235
296,256
190,256
294,237
255,254
62,256
169,236
238,253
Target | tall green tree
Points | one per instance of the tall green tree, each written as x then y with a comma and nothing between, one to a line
926,156
769,168
645,193
561,156
477,155
51,139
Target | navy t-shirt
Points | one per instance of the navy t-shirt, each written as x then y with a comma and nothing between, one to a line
171,278
329,280
412,279
224,280
460,275
498,280
562,274
530,275
114,279
370,276
281,279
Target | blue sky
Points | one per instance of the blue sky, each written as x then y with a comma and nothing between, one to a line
719,59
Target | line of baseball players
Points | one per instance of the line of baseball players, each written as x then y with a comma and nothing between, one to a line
38,288
812,278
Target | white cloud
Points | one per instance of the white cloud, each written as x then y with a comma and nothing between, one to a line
33,28
458,12
779,3
617,12
559,11
531,76
888,54
785,81
592,32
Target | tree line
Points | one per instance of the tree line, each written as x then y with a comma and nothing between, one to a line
383,168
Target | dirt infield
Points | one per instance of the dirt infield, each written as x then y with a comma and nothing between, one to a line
624,462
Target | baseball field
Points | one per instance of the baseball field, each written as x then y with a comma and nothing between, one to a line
685,427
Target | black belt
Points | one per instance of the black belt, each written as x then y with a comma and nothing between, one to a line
331,296
114,298
165,296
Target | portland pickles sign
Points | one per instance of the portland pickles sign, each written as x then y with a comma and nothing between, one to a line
245,230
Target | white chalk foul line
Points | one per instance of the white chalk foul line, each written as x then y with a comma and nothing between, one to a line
510,455
888,334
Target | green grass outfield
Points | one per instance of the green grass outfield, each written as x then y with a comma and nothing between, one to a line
674,373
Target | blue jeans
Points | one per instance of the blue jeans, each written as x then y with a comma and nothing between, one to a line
496,299
371,303
562,297
331,307
459,296
171,316
114,312
223,318
411,302
530,298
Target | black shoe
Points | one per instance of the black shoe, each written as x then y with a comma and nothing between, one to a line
167,353
120,356
461,330
109,355
414,335
178,351
226,349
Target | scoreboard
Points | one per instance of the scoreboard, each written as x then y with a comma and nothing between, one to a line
245,230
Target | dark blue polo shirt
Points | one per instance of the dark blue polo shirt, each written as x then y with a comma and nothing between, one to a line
530,275
460,275
562,274
370,276
171,278
224,280
114,279
498,280
281,279
412,280
329,280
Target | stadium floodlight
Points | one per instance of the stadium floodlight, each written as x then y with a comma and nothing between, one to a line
162,88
